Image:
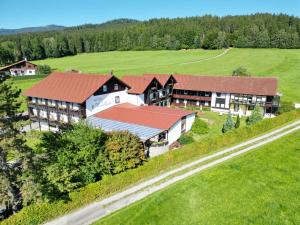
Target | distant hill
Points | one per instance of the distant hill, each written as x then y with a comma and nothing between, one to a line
109,25
30,29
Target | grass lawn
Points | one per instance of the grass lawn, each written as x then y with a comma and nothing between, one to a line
260,187
215,123
282,63
24,85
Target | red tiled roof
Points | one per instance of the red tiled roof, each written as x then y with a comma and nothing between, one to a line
149,116
70,87
16,63
138,84
162,78
229,84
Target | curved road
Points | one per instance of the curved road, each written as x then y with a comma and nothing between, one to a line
97,210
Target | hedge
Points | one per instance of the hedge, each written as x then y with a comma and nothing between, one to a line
39,213
29,77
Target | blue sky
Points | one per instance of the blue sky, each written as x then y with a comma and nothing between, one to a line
20,13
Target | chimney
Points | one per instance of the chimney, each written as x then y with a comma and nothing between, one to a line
25,58
111,72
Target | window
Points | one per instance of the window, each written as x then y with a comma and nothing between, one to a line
177,101
218,94
104,88
30,71
117,99
116,87
185,92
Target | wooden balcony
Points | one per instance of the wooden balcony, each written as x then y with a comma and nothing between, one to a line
192,97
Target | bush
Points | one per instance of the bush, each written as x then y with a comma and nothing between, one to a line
200,127
240,71
39,213
44,69
185,139
255,116
125,151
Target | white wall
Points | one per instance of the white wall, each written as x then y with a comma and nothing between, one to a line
136,99
225,96
101,102
213,99
27,72
189,121
53,116
174,132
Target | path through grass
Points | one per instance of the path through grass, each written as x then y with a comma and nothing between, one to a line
261,187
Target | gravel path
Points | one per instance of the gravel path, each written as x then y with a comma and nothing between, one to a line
97,210
209,58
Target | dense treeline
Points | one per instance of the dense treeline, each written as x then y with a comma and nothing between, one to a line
208,32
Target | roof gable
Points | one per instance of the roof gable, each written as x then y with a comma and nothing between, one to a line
69,87
162,78
138,84
16,63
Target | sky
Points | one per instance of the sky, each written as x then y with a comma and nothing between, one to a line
30,13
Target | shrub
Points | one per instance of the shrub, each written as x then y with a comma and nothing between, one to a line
240,71
185,139
229,124
255,116
200,127
44,69
125,151
39,213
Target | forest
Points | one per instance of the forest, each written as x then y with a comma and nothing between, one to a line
207,32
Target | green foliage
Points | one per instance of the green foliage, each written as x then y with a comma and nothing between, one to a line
255,116
238,122
37,214
44,69
185,139
229,124
208,32
17,184
125,151
75,156
200,127
286,106
6,56
240,71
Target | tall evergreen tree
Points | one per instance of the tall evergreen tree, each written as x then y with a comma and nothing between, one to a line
238,122
229,124
13,174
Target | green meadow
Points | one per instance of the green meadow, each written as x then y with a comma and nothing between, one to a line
260,187
281,63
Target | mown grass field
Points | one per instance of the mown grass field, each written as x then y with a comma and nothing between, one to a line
282,63
261,187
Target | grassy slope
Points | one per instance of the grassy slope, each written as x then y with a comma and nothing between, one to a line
262,62
261,187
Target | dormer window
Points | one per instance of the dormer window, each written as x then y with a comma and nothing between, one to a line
104,88
116,87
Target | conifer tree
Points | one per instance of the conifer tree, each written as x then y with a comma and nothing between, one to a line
14,173
229,124
238,122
